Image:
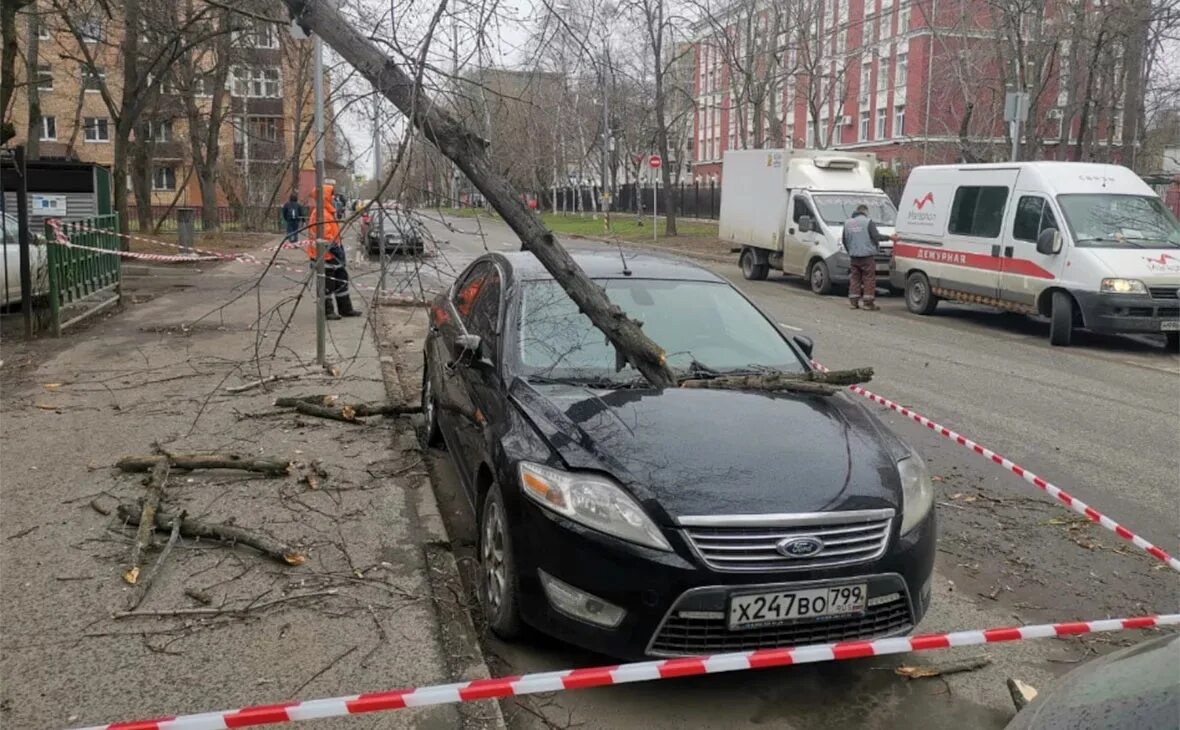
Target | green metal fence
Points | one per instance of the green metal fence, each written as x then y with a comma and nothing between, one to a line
82,281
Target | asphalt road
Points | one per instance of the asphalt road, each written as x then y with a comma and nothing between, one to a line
1099,419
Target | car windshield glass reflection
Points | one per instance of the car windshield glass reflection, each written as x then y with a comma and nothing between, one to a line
1120,221
835,209
706,328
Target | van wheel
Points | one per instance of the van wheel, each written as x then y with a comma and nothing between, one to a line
820,278
751,269
1061,320
919,299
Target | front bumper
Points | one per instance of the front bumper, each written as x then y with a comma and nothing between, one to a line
676,606
1113,313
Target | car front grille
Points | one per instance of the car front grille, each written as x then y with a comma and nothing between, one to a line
751,542
1164,292
690,636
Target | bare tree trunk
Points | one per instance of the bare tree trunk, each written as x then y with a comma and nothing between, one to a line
140,164
9,49
470,154
1133,57
33,88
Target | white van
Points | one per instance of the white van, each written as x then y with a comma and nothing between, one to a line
1087,245
786,209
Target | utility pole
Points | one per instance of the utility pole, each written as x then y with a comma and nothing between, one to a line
321,324
605,194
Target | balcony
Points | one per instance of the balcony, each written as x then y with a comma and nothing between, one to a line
261,150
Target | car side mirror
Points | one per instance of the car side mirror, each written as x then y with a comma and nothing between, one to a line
806,224
1049,242
467,349
805,343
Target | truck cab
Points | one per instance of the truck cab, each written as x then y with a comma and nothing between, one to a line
786,210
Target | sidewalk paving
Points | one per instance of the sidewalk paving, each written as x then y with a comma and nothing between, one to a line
358,616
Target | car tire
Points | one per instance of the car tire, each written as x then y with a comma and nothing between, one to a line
819,278
919,297
497,568
1172,341
430,434
1061,320
751,269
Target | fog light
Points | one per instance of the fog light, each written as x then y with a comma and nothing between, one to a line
579,604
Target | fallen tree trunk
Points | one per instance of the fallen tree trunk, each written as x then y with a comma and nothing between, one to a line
260,464
147,517
470,154
816,383
293,401
324,406
230,534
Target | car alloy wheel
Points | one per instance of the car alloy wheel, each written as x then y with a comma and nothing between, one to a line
497,568
430,433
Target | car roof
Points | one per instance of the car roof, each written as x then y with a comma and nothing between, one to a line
607,264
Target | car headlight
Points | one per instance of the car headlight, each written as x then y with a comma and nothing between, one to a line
593,500
1123,286
916,490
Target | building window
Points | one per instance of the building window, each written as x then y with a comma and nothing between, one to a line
48,129
978,210
902,69
164,178
260,34
265,128
90,28
160,130
899,121
883,74
98,129
93,79
903,20
887,22
44,77
43,31
256,82
866,77
882,116
864,126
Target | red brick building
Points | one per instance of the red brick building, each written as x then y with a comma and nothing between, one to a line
914,82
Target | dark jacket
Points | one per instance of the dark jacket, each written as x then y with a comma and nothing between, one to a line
861,236
292,211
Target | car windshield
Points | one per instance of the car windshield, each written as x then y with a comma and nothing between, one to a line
705,327
1119,221
837,208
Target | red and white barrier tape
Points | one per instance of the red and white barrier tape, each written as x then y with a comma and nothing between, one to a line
569,679
1049,488
197,255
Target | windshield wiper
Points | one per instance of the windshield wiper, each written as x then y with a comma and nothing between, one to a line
1156,239
1100,239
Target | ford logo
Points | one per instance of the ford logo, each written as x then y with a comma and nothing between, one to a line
800,547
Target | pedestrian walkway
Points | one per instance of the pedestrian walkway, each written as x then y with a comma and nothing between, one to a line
221,625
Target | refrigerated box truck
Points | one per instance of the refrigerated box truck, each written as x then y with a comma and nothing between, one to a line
786,210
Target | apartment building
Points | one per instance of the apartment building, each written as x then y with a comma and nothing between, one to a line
914,81
264,115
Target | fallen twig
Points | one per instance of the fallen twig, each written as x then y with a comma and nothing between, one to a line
192,528
938,670
199,596
147,516
260,464
259,383
99,508
142,588
327,666
1022,693
292,401
342,413
252,608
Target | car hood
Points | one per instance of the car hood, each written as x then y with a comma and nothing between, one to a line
712,452
1155,267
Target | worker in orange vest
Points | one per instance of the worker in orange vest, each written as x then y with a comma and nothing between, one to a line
335,273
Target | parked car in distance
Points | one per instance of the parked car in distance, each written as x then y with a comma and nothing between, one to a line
38,261
787,208
637,521
1087,245
396,230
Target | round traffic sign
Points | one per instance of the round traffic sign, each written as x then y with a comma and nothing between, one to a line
655,161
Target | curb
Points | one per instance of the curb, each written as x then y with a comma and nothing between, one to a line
712,258
462,653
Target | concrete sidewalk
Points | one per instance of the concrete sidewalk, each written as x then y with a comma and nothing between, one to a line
222,626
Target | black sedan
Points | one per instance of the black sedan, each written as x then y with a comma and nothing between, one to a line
395,230
637,521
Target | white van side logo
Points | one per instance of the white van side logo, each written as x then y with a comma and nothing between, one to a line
916,217
1165,262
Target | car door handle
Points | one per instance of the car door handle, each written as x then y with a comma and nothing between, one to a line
1008,251
996,250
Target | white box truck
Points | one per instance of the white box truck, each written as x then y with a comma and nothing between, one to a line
1086,245
786,209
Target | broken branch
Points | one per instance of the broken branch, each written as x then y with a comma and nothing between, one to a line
810,382
343,413
252,608
147,517
230,534
259,383
293,401
145,585
262,465
939,670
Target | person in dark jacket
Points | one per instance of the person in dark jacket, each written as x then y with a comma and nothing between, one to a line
861,239
292,212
